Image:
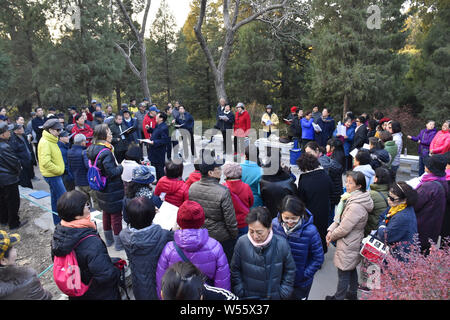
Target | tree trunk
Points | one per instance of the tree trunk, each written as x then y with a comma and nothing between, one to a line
144,80
118,98
344,112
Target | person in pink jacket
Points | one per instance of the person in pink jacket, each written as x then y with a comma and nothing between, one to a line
441,141
172,185
191,243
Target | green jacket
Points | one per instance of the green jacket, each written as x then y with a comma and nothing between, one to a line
379,206
391,147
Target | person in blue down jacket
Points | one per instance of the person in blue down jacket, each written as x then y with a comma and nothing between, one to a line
307,128
143,242
295,223
262,266
347,140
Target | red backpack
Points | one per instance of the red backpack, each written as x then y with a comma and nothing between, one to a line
66,273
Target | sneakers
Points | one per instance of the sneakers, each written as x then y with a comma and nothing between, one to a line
21,224
330,298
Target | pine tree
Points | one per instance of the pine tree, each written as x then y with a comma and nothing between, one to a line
352,64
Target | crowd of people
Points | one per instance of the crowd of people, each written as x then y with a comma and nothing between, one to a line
256,235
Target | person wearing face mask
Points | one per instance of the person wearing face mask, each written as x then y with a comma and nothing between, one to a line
296,224
220,217
262,265
76,227
348,231
51,162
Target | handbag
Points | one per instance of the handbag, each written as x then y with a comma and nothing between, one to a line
373,249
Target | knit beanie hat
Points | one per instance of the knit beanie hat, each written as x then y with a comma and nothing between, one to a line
232,170
190,215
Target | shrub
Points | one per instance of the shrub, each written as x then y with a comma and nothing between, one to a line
414,276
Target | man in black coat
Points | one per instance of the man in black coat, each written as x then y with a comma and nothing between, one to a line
9,181
360,133
23,151
120,140
158,144
37,124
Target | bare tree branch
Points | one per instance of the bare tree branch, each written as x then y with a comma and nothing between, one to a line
201,39
144,20
128,18
128,59
236,12
258,14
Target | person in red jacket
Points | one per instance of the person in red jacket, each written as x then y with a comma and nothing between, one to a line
194,176
83,128
241,194
149,122
174,188
441,141
242,124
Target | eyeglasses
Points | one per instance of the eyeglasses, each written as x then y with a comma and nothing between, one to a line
393,199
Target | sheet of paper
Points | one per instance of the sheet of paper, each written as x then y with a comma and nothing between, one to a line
144,140
354,152
366,146
317,128
166,216
341,129
414,182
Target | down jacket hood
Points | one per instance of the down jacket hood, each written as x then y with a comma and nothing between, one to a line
191,240
368,172
135,240
65,239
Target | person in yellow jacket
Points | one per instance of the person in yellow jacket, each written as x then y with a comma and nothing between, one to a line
51,162
269,121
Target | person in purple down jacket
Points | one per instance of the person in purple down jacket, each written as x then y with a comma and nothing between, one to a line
203,251
424,139
432,194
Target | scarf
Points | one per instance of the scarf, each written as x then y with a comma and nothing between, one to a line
288,230
329,154
80,223
393,211
430,177
263,244
340,207
110,147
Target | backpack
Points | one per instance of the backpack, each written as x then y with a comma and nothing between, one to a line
96,180
66,273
